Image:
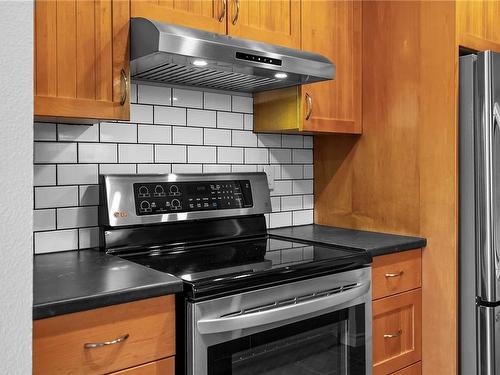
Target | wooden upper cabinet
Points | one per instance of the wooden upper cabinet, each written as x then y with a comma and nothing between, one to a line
332,29
82,59
478,26
270,21
209,15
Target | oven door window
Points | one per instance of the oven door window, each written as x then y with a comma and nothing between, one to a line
331,344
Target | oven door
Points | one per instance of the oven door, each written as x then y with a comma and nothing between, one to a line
316,326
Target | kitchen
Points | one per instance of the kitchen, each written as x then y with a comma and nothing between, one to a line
347,188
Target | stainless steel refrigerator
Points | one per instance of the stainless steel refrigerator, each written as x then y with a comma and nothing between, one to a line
479,178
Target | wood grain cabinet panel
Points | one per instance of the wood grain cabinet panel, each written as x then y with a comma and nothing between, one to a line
333,29
396,273
397,331
59,342
162,367
415,369
82,59
270,21
209,15
477,25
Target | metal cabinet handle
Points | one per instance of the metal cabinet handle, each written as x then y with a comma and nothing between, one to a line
94,345
309,102
223,13
235,18
393,335
124,82
397,274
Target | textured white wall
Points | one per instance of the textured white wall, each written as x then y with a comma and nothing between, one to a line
16,191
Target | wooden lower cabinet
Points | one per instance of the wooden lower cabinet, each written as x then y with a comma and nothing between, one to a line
162,367
142,331
397,314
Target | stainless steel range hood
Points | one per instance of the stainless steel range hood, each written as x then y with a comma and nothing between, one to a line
179,55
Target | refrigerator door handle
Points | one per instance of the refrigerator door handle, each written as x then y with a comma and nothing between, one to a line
496,127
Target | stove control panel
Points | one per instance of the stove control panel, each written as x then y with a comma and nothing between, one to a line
175,197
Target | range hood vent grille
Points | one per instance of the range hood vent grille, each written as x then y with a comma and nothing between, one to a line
211,78
183,56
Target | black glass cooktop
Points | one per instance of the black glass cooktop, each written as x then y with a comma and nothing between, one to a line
221,268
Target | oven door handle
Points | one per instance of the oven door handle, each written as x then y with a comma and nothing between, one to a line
281,313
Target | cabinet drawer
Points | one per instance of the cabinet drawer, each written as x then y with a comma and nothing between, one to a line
397,331
415,369
59,342
396,273
162,367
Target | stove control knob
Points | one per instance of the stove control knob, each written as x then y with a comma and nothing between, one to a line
176,204
145,206
174,190
143,192
159,191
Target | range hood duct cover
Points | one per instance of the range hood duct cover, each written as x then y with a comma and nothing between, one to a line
168,53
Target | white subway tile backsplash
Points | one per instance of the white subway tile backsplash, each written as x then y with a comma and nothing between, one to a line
97,153
76,217
49,242
304,156
229,155
170,154
77,174
187,98
88,237
280,219
280,156
256,156
135,153
243,104
141,113
170,116
89,195
216,168
269,140
187,135
229,120
118,132
78,133
187,168
117,168
202,154
244,138
44,174
248,122
158,134
44,220
159,95
198,117
291,203
217,137
154,168
221,102
199,132
292,141
303,217
44,132
56,196
302,187
53,152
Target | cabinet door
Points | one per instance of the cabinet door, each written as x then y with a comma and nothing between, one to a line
209,15
333,29
81,59
397,331
270,21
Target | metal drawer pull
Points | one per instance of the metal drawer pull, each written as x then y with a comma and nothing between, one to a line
223,13
93,345
391,336
397,274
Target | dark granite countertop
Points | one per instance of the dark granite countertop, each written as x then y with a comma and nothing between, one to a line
374,242
74,281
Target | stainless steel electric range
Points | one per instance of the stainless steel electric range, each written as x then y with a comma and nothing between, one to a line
252,303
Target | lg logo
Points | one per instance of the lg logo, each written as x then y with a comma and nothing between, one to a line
121,214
